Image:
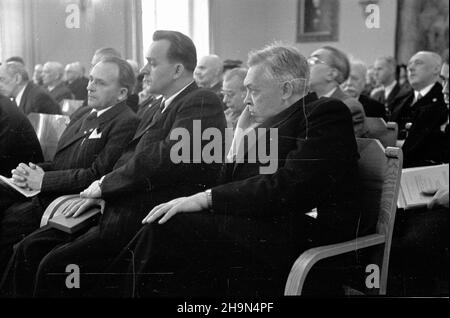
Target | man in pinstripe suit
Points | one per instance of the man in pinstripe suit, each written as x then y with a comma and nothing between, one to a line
88,149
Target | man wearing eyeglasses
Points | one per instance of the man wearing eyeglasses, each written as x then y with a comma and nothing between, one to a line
329,69
247,231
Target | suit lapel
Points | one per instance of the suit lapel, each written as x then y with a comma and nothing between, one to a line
74,133
173,105
23,100
393,93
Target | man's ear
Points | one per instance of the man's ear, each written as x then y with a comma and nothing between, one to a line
17,78
123,94
287,90
179,70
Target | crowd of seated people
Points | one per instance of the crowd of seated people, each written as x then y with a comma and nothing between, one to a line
183,213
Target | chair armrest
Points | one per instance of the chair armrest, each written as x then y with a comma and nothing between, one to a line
391,125
307,259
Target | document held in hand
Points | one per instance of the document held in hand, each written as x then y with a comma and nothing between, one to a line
54,218
415,181
9,182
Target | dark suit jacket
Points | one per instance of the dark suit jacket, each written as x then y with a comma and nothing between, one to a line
78,88
145,174
425,144
404,112
36,100
257,225
356,109
372,108
60,92
18,140
395,97
79,159
317,170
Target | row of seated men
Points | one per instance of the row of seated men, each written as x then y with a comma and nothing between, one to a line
196,219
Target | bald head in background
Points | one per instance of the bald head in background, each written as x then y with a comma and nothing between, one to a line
73,71
423,69
208,72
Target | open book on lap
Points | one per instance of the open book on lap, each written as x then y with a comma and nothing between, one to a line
25,192
416,181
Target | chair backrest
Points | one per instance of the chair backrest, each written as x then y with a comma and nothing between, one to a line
386,133
69,106
49,129
380,172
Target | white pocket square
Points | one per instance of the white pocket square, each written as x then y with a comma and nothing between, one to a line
95,134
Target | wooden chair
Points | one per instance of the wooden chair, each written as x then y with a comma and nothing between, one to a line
380,172
386,133
48,129
69,106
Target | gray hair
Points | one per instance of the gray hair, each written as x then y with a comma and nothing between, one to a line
390,62
358,64
340,62
13,68
239,72
56,67
285,63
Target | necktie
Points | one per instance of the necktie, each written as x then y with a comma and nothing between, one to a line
88,121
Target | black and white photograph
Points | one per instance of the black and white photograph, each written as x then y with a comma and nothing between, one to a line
224,156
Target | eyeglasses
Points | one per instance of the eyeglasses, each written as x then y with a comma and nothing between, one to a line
314,60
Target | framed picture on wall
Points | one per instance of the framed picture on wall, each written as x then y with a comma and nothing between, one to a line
317,20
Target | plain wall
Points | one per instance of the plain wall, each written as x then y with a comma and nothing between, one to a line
102,24
239,26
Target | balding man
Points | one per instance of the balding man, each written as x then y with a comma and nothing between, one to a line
208,73
52,78
423,110
251,220
234,94
389,91
354,87
104,52
30,98
76,81
329,69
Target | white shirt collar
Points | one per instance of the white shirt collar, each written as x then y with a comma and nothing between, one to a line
20,94
99,112
388,89
329,93
423,91
171,98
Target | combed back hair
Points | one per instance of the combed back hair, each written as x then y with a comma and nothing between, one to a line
181,49
390,61
17,59
340,62
13,68
108,52
239,72
126,73
285,63
355,63
56,67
